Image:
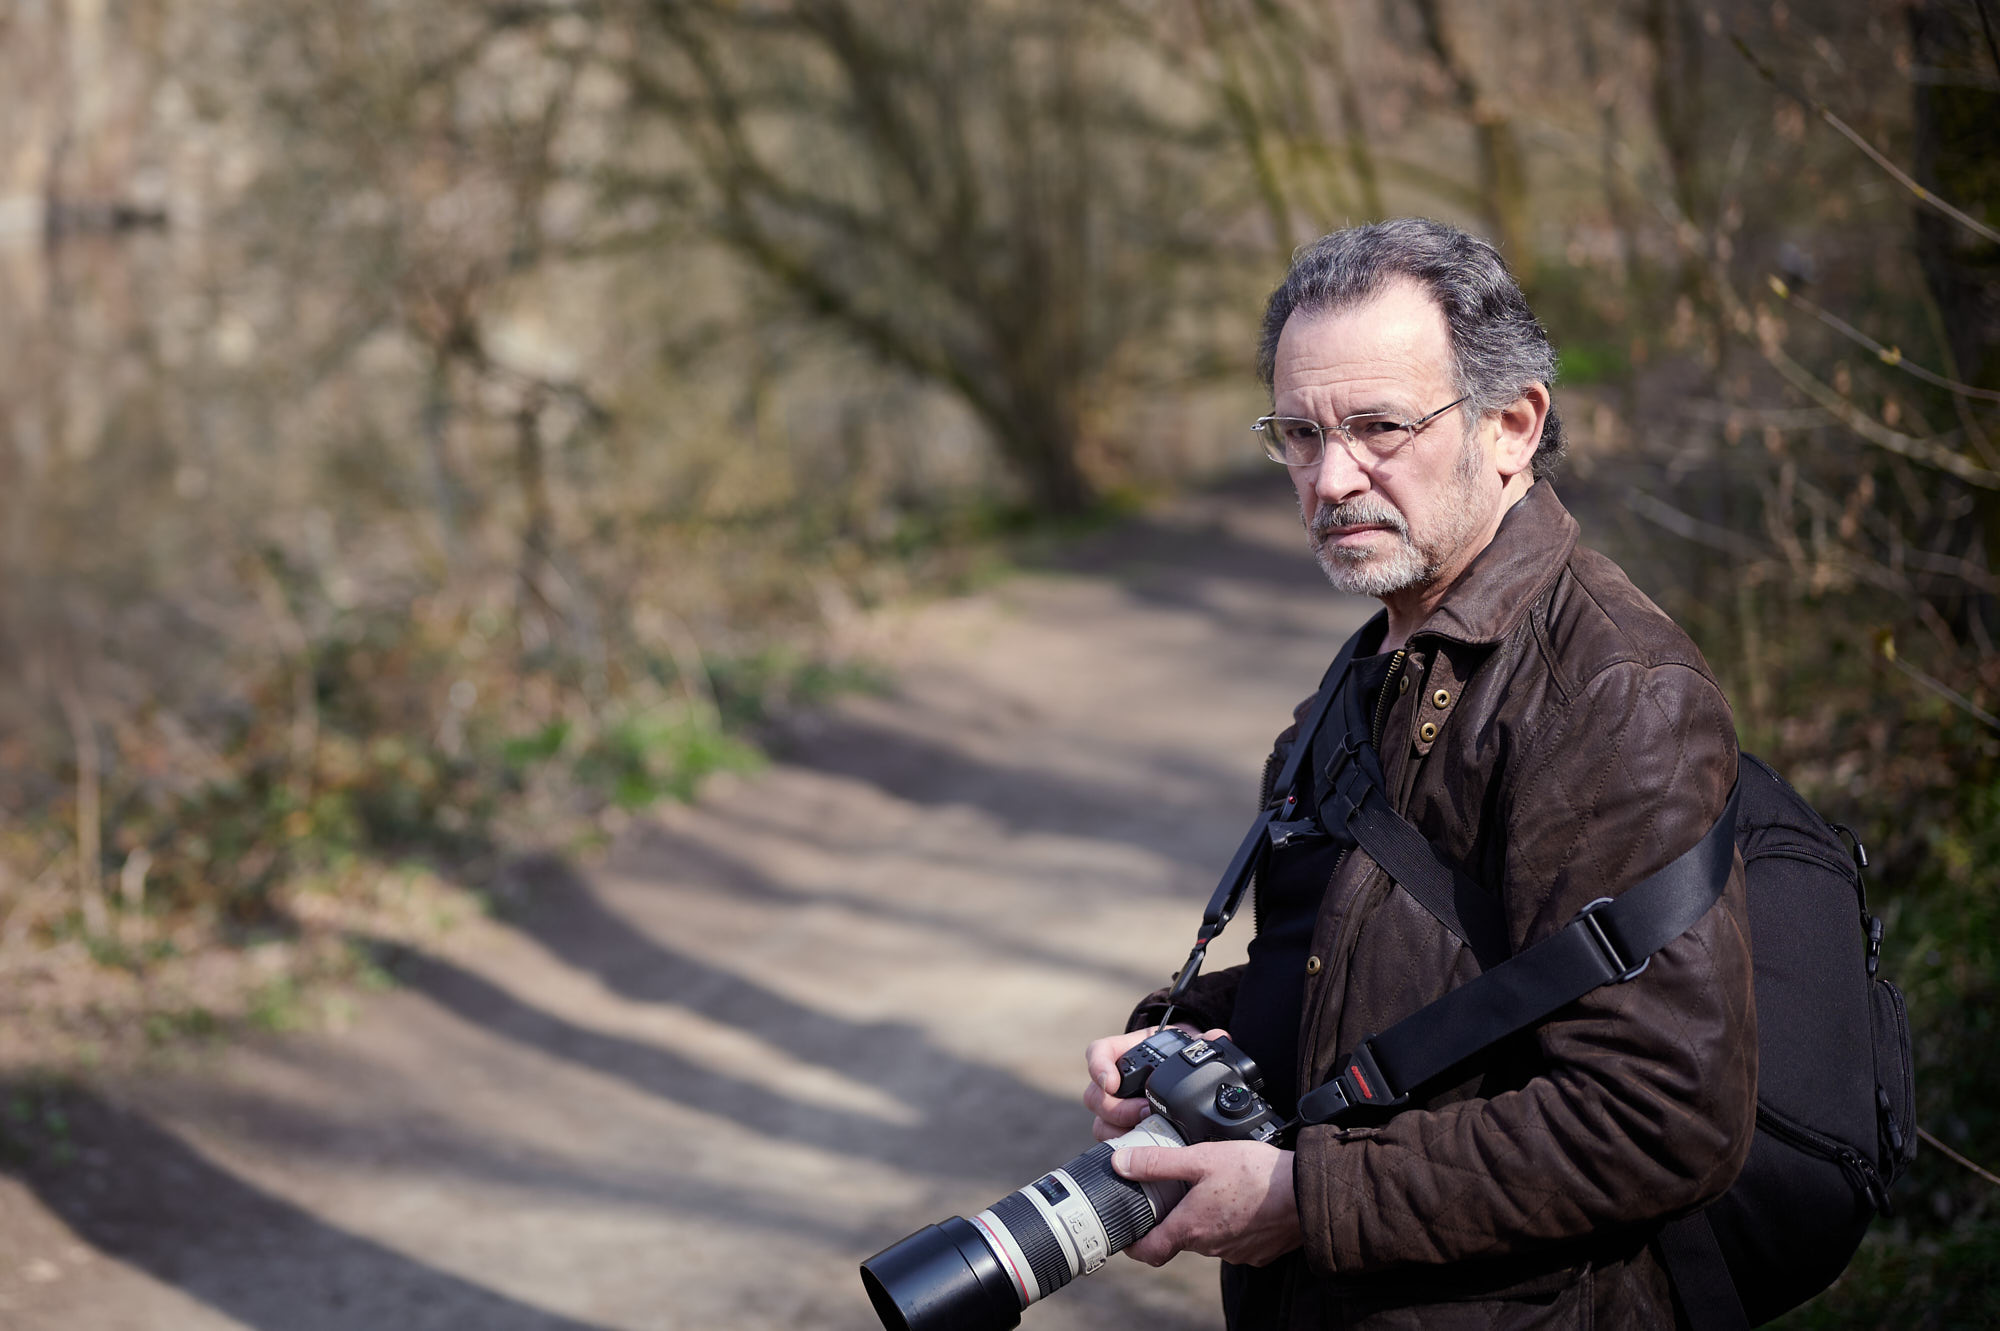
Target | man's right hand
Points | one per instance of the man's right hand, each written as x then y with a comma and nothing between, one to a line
1116,1117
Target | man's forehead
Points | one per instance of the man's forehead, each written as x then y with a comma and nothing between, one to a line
1396,336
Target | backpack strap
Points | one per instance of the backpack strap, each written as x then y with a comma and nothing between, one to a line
1700,1275
1354,801
1610,941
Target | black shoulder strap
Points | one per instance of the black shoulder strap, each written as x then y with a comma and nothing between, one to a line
1256,843
1354,801
1610,941
1700,1275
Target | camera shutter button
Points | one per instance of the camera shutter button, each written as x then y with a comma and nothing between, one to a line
1233,1101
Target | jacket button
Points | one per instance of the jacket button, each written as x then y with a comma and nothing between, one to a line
1442,698
1312,965
1428,731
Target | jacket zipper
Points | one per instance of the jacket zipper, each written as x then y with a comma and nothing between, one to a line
1382,699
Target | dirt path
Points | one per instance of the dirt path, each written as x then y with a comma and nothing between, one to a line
771,1033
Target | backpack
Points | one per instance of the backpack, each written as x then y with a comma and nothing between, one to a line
1836,1119
1836,1122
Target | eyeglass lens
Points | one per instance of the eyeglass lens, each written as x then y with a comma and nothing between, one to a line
1298,442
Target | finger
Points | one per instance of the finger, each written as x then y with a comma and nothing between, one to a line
1104,1132
1153,1163
1113,1110
1217,1033
1125,1115
1155,1249
1101,1058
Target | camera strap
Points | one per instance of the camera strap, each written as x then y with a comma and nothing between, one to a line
1353,808
1277,822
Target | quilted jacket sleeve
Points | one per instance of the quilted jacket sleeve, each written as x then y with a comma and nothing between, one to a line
1645,1098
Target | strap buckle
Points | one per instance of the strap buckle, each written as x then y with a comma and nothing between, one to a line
1354,1094
1347,784
1363,1082
1623,969
1286,829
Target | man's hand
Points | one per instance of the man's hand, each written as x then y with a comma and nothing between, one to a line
1239,1206
1115,1117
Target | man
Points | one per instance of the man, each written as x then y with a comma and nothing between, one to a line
1547,728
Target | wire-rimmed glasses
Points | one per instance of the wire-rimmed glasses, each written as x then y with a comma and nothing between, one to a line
1368,436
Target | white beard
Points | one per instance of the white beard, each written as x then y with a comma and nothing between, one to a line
1411,562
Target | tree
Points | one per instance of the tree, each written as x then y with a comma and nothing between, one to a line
985,196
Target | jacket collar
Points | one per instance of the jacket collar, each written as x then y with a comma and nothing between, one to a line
1503,581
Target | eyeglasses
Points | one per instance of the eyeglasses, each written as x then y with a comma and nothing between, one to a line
1370,436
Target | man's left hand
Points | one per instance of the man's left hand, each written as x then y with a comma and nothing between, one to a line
1239,1205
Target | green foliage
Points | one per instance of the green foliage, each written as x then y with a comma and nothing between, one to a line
278,1005
1580,363
34,1125
172,1026
750,689
1949,1283
427,742
660,754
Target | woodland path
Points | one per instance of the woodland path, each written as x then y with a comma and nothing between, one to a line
692,1086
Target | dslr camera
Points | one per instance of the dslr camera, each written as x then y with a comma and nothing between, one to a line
978,1274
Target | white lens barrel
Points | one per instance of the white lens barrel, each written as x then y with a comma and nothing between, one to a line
1071,1220
1154,1130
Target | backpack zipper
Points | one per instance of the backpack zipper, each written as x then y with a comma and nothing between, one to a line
1861,1173
1871,925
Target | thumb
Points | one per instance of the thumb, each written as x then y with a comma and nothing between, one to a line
1157,1162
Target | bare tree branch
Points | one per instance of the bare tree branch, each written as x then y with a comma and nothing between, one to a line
1874,154
1892,356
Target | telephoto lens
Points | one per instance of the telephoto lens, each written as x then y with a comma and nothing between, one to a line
979,1274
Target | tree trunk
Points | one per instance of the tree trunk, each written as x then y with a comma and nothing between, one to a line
1503,176
1957,153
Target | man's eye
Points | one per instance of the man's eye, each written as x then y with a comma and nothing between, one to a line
1375,427
1301,433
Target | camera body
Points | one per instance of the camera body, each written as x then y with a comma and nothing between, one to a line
979,1274
1208,1089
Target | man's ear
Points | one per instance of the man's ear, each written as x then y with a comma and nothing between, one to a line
1520,434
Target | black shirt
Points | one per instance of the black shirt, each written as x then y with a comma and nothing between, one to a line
1269,998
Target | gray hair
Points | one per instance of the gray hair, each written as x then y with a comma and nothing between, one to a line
1498,347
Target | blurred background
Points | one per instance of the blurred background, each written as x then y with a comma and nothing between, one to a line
432,433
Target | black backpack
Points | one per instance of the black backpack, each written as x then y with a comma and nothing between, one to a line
1836,1118
1835,1096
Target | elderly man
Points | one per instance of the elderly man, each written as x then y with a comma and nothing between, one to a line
1550,731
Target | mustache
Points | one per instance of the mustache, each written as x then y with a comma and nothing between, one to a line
1356,513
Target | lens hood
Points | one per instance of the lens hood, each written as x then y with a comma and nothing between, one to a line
942,1278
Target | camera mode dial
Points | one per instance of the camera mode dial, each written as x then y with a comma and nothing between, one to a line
1234,1101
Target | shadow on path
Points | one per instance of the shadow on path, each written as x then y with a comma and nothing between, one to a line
660,856
1019,1124
141,1195
414,1143
931,773
1177,564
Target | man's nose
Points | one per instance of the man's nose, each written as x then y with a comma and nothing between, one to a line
1338,478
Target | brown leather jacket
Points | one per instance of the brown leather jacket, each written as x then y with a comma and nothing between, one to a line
1558,735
